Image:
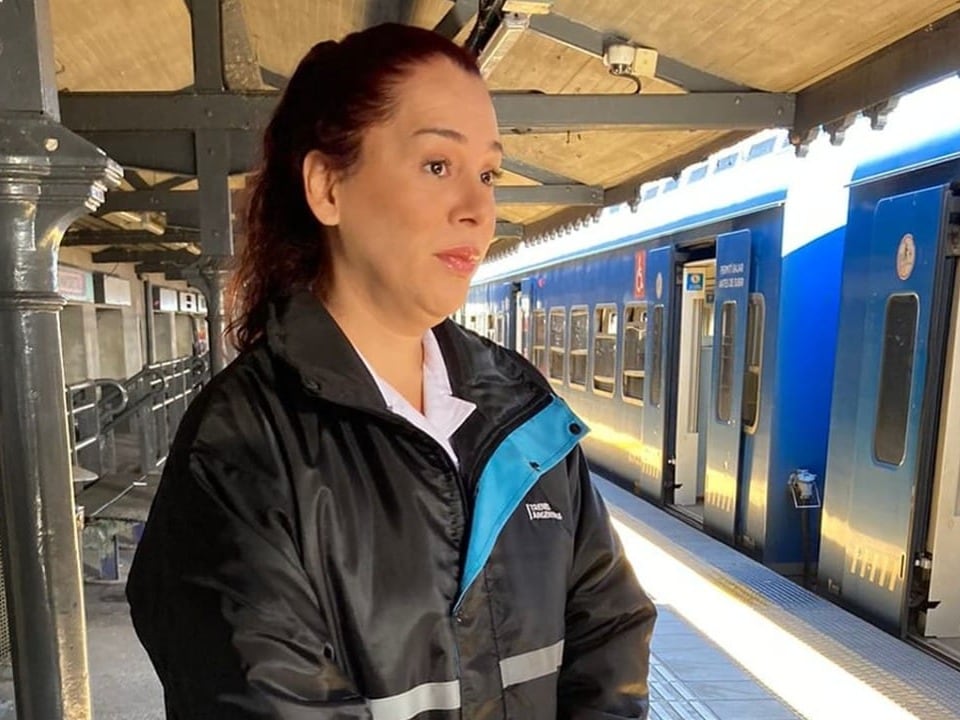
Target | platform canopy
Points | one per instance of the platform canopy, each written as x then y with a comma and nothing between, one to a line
165,85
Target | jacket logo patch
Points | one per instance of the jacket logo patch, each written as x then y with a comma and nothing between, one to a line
542,511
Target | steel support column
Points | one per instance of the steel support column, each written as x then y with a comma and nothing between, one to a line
48,178
149,322
210,279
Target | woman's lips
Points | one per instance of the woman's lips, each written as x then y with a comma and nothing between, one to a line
461,260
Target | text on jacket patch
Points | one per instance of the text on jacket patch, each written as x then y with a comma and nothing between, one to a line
542,511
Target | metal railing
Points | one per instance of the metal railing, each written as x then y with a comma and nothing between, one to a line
160,395
149,405
90,405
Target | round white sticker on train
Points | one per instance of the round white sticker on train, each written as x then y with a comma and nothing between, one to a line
906,257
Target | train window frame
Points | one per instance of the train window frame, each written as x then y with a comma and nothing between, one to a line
598,311
883,384
500,328
724,347
659,343
551,348
755,341
578,311
524,315
541,366
643,310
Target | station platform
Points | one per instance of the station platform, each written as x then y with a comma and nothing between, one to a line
733,641
730,625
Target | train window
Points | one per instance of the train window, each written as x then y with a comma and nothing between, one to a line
604,350
558,342
500,332
579,331
656,372
539,339
728,333
751,374
634,353
896,379
491,330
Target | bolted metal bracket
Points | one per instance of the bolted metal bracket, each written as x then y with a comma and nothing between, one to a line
801,141
837,129
879,112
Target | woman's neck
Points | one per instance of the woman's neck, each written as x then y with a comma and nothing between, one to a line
395,356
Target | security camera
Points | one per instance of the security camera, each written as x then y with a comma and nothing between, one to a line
619,58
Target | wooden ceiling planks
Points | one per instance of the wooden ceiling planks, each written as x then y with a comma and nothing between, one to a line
781,46
114,45
105,45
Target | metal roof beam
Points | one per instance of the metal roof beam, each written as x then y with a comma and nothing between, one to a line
85,112
273,79
207,44
549,195
156,200
586,39
175,257
241,69
170,183
627,191
123,112
508,229
136,180
456,19
539,174
919,59
87,238
155,150
534,113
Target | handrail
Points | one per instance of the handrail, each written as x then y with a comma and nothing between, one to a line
153,401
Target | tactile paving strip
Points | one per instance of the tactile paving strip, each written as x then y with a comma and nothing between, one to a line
671,699
917,682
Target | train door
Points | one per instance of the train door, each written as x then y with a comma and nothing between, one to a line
724,426
694,383
941,617
906,315
520,317
658,476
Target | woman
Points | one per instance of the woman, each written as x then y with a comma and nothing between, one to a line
373,513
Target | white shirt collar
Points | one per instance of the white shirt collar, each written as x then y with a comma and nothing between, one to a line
443,413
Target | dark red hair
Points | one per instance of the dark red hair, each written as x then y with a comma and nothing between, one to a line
337,92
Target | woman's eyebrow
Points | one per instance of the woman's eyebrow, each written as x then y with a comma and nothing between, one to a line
454,135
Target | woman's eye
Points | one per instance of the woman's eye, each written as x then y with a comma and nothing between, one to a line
437,167
489,177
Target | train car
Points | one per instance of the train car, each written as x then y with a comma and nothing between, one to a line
890,543
714,333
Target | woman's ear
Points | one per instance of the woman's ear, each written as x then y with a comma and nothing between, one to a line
320,185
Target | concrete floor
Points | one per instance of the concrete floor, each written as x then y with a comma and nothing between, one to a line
123,685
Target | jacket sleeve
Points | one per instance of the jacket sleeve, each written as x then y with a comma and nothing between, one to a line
223,606
609,618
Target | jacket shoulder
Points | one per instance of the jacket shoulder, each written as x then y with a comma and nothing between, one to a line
231,417
485,352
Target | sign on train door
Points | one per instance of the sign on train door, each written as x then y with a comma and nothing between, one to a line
729,357
906,255
659,290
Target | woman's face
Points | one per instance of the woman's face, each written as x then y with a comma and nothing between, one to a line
416,215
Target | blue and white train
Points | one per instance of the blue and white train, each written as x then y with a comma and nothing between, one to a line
768,345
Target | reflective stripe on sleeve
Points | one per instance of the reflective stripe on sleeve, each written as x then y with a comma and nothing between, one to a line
531,665
409,704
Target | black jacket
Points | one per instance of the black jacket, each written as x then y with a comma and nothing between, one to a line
312,556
